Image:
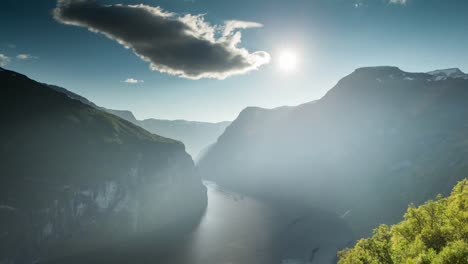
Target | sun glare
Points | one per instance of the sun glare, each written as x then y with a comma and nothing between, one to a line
287,61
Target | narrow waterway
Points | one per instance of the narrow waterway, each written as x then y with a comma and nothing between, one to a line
238,229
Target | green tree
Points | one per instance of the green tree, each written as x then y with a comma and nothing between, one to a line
436,232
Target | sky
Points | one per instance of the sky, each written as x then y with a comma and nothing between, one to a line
206,60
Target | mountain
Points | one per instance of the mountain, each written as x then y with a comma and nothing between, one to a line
126,115
73,95
379,140
196,136
449,73
75,178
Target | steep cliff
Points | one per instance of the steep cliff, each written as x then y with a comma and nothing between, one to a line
75,178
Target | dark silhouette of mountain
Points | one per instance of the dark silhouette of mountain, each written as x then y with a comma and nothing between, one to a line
126,115
379,140
73,95
75,178
195,135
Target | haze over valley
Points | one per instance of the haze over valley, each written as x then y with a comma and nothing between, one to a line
245,132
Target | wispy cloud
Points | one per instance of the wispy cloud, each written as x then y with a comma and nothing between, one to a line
182,45
364,3
133,81
399,2
25,57
360,3
4,60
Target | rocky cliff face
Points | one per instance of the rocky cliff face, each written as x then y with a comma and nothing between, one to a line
75,179
379,140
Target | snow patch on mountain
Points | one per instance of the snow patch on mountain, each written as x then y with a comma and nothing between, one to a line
443,74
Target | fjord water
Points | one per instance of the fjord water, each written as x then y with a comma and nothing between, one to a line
239,229
236,229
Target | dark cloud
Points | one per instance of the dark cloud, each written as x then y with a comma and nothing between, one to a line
185,45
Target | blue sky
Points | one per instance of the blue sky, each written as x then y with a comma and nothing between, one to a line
330,37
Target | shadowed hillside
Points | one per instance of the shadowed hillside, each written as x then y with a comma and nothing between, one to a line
380,139
75,178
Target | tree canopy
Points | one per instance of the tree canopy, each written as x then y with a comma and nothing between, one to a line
435,232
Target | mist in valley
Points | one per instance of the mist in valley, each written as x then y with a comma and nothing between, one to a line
249,132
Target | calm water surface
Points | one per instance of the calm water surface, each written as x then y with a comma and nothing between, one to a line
238,229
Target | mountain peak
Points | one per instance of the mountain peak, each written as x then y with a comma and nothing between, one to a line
447,72
379,70
377,73
382,73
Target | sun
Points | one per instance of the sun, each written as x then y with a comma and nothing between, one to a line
287,61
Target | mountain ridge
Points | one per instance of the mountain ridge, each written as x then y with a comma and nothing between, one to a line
196,135
409,125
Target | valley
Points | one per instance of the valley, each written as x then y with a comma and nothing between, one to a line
271,193
233,132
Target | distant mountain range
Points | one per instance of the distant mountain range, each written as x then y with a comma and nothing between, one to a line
74,178
379,140
195,135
